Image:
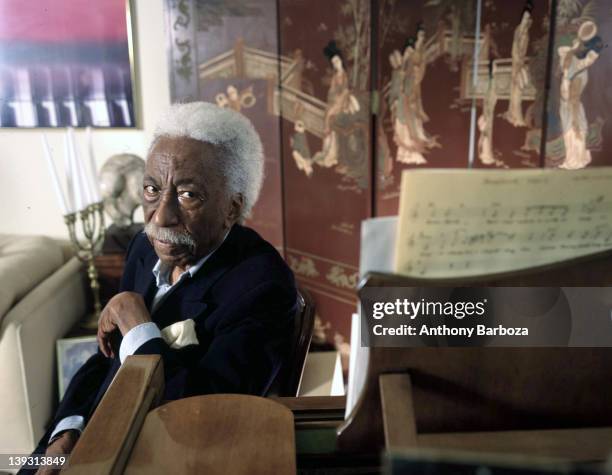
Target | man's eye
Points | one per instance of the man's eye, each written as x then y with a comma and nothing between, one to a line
189,195
150,190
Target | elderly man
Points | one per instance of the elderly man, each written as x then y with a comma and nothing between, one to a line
210,296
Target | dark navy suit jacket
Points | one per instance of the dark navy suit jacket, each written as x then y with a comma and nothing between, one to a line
243,301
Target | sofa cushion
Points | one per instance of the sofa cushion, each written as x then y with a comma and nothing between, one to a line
25,261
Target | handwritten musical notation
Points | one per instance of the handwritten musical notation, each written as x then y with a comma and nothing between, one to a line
456,223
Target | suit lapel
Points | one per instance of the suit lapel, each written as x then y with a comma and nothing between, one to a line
145,280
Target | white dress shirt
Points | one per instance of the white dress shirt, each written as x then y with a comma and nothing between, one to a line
144,332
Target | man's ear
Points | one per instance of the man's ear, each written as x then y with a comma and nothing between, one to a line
235,210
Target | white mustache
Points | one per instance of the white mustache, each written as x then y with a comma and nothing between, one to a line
169,235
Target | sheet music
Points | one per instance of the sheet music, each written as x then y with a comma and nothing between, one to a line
469,222
377,254
358,365
377,245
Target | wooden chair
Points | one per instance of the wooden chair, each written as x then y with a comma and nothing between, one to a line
216,434
129,433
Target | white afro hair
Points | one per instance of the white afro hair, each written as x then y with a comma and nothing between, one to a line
228,129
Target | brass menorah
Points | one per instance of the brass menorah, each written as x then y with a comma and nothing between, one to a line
92,227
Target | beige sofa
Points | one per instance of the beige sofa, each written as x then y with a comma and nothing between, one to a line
42,296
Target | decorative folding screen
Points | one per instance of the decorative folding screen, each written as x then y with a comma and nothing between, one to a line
348,93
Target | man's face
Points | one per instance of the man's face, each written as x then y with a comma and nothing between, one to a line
184,193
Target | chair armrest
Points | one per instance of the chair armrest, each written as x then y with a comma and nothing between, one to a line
105,445
216,434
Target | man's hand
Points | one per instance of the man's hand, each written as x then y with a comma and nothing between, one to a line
63,445
124,311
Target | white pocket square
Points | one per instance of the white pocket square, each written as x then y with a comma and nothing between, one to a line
180,334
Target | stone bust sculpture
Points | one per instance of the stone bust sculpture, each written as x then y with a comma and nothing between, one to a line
121,186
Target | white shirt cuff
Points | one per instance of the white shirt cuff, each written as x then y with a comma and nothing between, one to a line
67,423
137,337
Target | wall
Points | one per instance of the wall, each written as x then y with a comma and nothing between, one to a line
27,201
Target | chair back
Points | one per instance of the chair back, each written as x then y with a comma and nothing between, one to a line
288,381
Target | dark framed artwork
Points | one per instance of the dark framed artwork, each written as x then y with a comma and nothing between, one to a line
66,63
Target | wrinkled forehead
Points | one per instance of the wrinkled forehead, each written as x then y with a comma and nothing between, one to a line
183,155
184,150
